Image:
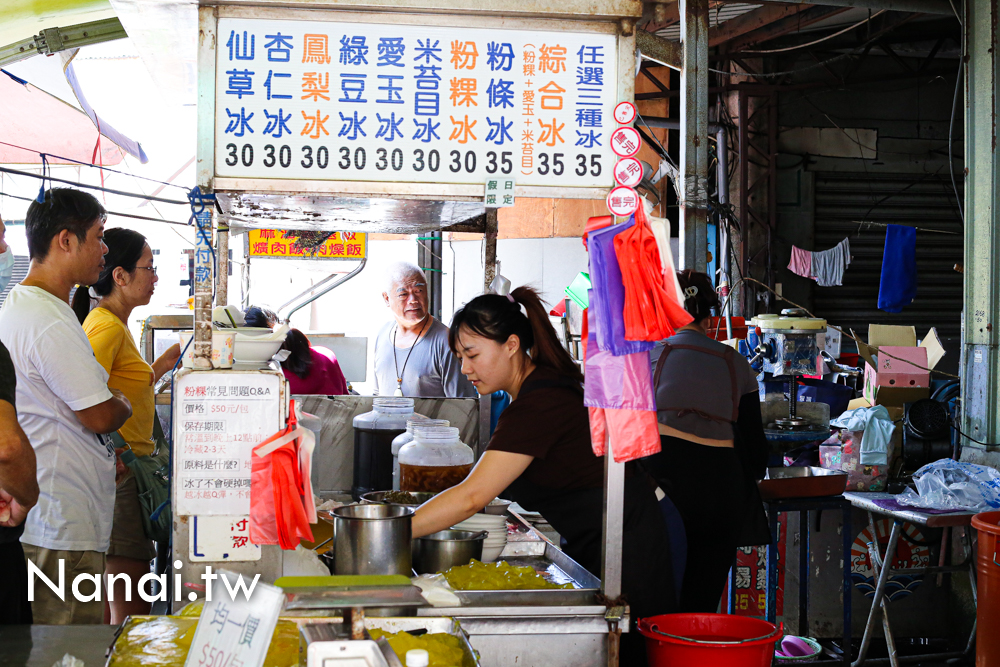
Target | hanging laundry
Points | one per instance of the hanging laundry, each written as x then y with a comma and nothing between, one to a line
899,269
825,267
828,266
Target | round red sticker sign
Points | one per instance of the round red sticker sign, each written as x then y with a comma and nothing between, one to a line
623,201
625,141
625,112
628,172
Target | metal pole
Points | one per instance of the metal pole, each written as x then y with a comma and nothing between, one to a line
694,141
490,249
878,601
722,175
614,515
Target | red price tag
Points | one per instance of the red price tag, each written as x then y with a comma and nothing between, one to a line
623,201
628,172
625,113
625,142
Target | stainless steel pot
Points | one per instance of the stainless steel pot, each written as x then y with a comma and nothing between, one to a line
372,539
446,548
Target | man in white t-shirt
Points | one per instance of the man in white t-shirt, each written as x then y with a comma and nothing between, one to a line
63,403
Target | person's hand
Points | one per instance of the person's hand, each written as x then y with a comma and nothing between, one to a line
120,468
171,355
12,513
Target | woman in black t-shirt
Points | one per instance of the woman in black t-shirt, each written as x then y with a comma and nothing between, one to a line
541,453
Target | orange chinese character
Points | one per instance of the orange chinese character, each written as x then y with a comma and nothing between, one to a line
462,129
552,96
463,55
314,125
529,69
316,49
316,85
550,133
553,59
463,92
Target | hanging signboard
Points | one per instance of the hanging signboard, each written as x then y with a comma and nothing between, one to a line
297,244
404,104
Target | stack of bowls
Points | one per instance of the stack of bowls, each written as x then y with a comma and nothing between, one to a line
495,526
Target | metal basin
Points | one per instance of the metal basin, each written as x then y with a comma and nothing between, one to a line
372,539
802,482
378,498
446,548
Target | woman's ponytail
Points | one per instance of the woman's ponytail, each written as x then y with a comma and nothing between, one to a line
81,302
546,350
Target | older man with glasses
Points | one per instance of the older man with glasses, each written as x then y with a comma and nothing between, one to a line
412,356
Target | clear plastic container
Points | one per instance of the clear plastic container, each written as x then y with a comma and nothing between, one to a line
436,460
373,435
406,438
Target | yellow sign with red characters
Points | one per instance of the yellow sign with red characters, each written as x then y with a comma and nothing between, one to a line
297,244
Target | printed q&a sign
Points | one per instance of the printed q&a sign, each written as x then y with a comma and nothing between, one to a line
413,104
218,418
292,244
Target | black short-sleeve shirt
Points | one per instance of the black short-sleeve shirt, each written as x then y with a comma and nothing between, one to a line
549,421
8,389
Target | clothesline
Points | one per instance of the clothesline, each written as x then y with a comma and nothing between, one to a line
866,224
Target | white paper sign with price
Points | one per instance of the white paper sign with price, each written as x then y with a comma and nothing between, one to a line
413,104
218,418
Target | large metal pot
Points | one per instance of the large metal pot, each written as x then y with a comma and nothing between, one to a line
446,548
372,539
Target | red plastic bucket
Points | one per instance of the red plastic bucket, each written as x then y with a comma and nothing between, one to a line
709,640
988,586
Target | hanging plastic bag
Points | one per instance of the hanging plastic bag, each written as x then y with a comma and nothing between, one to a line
651,313
948,484
608,291
618,392
278,487
661,232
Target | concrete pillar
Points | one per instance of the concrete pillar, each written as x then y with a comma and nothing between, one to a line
694,135
981,318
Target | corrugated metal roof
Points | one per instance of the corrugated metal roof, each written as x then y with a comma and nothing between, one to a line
717,15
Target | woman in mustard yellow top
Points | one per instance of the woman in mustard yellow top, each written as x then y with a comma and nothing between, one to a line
127,281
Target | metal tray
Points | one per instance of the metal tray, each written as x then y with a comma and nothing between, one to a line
432,624
802,482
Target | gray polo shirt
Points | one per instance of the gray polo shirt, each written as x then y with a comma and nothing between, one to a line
432,371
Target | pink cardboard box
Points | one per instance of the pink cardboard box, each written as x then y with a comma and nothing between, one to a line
905,368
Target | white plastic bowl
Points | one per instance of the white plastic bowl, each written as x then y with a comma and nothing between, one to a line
490,554
250,350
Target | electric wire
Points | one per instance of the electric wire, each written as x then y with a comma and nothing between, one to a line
115,213
92,187
817,41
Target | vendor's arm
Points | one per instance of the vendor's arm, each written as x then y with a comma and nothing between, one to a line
166,361
494,473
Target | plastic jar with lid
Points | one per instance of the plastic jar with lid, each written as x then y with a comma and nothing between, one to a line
373,435
406,438
436,460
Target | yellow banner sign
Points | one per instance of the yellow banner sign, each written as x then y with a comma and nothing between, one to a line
297,244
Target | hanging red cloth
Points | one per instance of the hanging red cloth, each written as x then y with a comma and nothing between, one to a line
652,312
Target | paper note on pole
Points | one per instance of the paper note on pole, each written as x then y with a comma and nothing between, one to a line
235,628
411,103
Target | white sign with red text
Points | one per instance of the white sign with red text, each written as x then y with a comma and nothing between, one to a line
625,141
624,113
628,172
623,201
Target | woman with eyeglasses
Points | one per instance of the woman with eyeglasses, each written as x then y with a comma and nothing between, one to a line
126,282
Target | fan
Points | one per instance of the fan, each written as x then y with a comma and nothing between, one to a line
926,433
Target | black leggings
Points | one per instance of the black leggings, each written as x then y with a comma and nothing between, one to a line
709,489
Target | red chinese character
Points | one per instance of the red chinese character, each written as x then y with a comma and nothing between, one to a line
338,249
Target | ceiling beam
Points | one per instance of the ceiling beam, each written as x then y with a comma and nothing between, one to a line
784,26
657,49
751,21
922,6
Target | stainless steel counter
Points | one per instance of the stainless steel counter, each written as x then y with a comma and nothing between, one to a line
43,645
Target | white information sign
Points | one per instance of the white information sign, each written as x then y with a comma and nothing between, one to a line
235,627
221,538
218,418
413,104
499,192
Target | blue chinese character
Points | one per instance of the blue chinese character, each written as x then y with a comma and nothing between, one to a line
588,139
391,91
352,126
234,46
426,50
277,124
501,56
581,97
267,84
238,122
353,50
427,77
589,117
201,274
239,82
500,93
498,131
427,104
590,76
390,51
279,49
353,84
389,126
589,55
426,130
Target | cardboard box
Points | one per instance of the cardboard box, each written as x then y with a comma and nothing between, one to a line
901,367
902,377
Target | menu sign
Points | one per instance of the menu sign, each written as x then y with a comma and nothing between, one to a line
218,418
337,101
